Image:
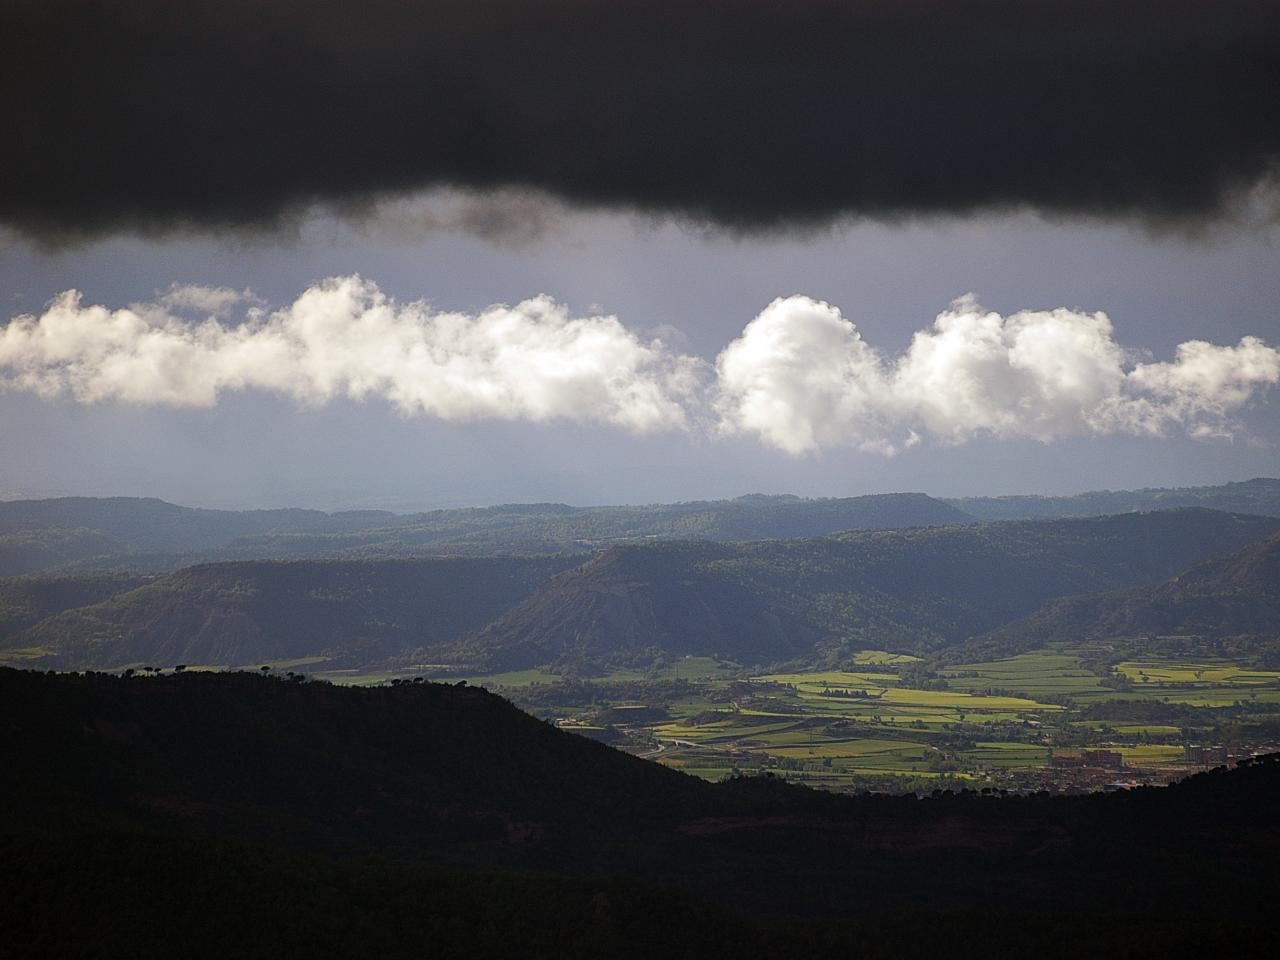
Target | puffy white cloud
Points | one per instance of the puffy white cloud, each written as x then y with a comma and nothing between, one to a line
801,378
1200,389
344,337
1037,374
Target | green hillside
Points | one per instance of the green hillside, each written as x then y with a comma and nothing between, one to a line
253,612
25,601
807,600
913,591
1232,596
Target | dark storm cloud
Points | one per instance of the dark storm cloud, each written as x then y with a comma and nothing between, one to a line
154,114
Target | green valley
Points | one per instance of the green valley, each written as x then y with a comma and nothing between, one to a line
998,724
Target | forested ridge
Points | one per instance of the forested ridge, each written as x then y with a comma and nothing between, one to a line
918,590
1237,595
249,611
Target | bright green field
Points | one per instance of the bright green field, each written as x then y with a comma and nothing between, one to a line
1041,673
848,723
1143,755
1130,729
1009,755
830,728
1185,672
861,749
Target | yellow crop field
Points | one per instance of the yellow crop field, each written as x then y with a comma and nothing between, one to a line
850,748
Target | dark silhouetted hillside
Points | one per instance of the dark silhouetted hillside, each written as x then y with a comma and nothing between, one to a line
431,763
235,792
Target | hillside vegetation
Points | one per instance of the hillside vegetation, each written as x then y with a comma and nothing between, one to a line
252,612
25,601
913,591
811,600
1232,596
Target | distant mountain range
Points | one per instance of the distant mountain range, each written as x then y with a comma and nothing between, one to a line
78,534
918,590
1260,496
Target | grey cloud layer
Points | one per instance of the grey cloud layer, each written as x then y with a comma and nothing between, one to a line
753,114
799,378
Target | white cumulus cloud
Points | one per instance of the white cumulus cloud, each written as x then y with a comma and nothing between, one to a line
800,377
1200,389
345,338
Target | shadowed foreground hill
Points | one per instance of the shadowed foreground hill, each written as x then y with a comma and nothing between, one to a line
349,767
216,801
911,590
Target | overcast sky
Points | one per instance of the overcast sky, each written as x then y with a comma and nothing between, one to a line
838,318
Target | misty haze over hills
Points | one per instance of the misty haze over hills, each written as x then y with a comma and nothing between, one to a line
87,533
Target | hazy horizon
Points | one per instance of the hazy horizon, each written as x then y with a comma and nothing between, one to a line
408,508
